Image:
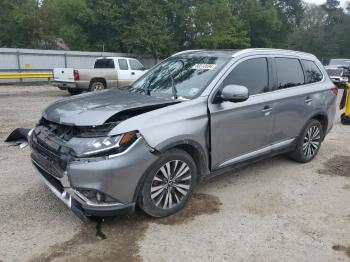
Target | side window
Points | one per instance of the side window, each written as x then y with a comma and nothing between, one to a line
135,65
252,74
312,72
289,73
123,64
104,63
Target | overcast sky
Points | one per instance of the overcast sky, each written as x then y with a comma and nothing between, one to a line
321,1
315,1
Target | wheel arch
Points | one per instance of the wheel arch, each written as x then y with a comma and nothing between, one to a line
323,119
193,148
98,79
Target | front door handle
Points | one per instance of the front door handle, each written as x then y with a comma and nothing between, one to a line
267,110
133,73
308,100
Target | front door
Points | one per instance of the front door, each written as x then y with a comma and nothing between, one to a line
124,73
136,69
242,130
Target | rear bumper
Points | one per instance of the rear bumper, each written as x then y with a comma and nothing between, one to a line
78,206
64,85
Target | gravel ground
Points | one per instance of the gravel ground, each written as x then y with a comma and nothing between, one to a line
274,210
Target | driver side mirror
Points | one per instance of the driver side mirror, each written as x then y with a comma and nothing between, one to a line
234,93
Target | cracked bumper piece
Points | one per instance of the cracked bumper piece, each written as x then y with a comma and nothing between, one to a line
77,204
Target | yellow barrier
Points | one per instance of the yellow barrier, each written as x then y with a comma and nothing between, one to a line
26,75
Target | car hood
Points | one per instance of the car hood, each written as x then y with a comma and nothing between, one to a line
94,109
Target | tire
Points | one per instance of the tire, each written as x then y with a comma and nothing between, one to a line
309,142
345,120
96,86
74,91
161,197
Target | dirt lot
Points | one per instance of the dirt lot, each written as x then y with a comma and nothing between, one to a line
275,210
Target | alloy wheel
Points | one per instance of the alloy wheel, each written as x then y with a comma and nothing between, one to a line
312,141
171,184
98,86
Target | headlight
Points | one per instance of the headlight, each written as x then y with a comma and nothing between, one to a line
102,146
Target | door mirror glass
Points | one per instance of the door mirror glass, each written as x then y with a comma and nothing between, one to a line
234,93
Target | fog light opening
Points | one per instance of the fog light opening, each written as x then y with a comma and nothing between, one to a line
95,197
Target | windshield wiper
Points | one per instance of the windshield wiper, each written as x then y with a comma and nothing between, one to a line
147,84
173,86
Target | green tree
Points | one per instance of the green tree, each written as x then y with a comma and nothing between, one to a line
261,20
68,20
145,28
215,26
19,24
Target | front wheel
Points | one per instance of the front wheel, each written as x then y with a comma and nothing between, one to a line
309,142
168,184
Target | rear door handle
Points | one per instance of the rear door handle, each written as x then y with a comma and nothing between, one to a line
308,100
133,73
267,110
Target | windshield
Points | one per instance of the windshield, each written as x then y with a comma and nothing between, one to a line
341,62
179,77
334,72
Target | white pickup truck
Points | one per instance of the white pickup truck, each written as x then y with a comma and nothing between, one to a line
107,72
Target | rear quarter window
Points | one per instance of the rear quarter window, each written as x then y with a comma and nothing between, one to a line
312,73
289,73
104,63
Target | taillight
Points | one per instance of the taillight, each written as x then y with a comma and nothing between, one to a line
76,75
335,90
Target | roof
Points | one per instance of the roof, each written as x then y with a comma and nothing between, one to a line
237,52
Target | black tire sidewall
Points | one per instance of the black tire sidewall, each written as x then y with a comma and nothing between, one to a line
299,148
144,199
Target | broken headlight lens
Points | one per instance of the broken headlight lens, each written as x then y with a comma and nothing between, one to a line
101,146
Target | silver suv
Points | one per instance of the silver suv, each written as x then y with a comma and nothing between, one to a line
197,114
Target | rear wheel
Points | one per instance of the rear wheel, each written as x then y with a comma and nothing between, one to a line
309,142
74,91
97,86
168,184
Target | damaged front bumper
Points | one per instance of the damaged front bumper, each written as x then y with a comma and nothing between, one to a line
116,177
79,205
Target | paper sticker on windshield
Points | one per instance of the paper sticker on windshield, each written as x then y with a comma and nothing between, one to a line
203,66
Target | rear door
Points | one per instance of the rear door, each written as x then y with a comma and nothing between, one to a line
296,94
240,131
137,69
63,74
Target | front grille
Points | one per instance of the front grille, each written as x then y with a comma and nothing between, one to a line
66,132
63,132
51,179
49,152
